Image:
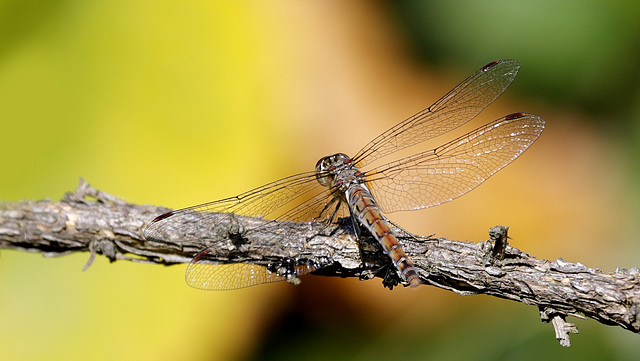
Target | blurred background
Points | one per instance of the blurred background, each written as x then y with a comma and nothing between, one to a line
178,103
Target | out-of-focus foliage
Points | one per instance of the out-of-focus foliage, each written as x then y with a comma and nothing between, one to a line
177,103
579,53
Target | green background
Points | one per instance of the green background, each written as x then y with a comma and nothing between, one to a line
179,103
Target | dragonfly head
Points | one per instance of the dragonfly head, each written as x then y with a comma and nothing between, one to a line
329,166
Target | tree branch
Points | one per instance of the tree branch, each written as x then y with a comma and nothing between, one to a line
109,226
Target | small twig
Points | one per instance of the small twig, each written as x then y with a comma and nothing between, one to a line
560,324
498,235
113,228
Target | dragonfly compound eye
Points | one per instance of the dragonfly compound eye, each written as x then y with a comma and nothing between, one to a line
322,171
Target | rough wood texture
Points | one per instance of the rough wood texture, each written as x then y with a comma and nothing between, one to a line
111,227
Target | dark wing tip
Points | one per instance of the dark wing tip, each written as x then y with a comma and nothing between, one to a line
162,216
490,65
514,116
148,233
506,62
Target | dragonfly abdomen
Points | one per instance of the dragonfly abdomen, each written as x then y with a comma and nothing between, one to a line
363,206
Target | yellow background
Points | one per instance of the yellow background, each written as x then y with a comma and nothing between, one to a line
178,103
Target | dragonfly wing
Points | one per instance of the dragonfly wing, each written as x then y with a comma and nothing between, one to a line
456,108
298,198
271,200
325,207
453,169
205,272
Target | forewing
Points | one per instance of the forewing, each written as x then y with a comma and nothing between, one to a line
453,169
298,198
456,108
270,201
325,207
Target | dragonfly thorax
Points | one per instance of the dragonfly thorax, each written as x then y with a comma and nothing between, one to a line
335,167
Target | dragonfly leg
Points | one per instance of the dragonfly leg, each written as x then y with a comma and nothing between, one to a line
417,237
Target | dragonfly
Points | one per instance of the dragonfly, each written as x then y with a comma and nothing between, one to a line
341,186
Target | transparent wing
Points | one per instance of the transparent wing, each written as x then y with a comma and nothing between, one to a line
272,201
453,169
207,274
325,207
456,108
298,198
228,276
